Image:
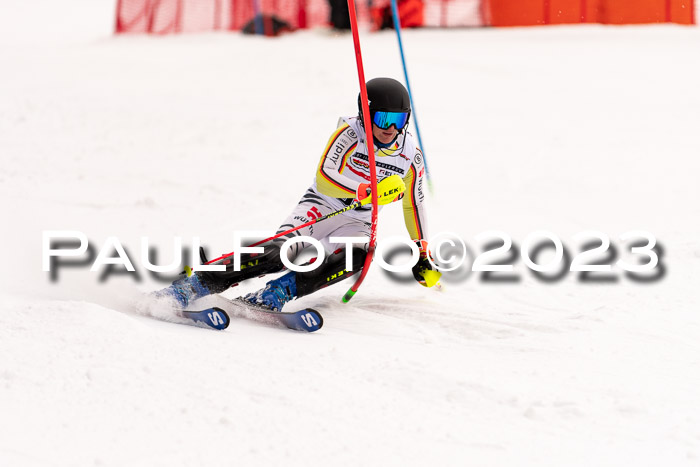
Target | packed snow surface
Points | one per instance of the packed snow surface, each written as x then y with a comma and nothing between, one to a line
563,129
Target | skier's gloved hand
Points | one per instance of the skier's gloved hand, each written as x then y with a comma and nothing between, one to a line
423,271
389,190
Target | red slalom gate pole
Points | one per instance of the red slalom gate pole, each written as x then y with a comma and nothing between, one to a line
370,152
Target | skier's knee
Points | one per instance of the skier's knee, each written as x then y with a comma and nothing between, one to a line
331,271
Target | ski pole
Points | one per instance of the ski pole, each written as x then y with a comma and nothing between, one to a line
347,208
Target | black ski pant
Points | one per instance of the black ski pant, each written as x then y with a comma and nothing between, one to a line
331,271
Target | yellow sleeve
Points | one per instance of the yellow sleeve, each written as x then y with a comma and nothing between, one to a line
413,205
330,180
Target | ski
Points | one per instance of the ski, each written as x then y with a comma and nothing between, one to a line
308,320
215,318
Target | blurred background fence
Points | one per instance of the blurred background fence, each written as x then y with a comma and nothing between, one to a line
178,16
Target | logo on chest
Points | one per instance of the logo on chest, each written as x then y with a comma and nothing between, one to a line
362,161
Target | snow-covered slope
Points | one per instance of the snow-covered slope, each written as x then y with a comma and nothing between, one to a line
563,129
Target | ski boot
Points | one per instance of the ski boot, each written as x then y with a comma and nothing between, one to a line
276,293
184,291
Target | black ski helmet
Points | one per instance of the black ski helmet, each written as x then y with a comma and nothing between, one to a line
386,94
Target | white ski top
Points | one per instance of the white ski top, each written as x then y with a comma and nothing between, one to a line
345,164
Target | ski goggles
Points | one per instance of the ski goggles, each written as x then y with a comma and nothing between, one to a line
385,119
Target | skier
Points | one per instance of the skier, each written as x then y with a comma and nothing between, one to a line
342,177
